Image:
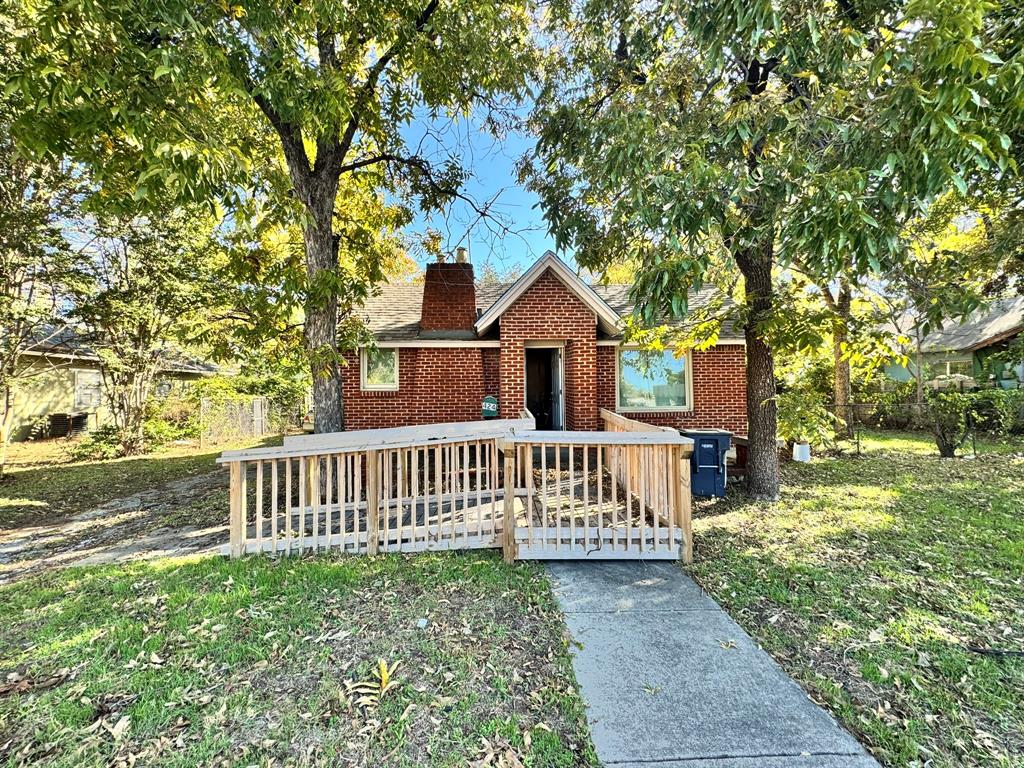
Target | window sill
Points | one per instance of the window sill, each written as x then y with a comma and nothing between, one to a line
667,409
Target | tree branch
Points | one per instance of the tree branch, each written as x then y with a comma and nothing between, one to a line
369,86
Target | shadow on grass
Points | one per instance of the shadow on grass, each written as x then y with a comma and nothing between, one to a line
870,582
55,492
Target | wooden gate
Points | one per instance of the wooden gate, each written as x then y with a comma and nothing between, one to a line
597,495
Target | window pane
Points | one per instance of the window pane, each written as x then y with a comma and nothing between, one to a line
961,368
651,380
88,390
382,368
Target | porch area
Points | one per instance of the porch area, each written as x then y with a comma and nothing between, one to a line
623,493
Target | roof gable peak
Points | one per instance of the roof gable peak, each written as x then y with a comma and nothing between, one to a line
607,317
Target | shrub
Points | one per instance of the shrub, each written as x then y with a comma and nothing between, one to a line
803,417
994,410
947,413
101,443
172,417
896,407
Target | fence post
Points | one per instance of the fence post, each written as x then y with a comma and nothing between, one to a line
237,505
685,503
509,522
372,504
202,423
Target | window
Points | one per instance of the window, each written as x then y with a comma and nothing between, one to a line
959,368
88,390
653,381
379,369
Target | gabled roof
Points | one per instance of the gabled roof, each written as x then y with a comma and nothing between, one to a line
1003,319
607,318
393,315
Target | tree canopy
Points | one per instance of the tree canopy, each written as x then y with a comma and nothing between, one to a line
679,134
277,100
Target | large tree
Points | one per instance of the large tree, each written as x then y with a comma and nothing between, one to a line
37,266
676,134
180,96
149,290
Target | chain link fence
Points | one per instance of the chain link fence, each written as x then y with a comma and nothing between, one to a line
989,412
227,421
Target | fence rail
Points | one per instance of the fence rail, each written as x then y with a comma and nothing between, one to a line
467,485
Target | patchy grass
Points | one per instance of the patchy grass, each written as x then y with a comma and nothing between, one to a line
257,662
891,586
42,484
922,443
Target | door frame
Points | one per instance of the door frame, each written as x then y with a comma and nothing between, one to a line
549,344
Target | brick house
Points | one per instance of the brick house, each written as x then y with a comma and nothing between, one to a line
548,341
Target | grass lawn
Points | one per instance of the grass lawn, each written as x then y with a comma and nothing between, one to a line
42,484
256,662
891,585
204,661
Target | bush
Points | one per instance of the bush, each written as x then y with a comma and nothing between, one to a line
803,417
994,410
101,443
896,407
172,417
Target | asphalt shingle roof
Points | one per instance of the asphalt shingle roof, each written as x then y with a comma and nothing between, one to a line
394,314
1002,319
69,341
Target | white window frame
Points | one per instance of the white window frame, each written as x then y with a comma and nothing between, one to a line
76,372
687,383
366,387
969,362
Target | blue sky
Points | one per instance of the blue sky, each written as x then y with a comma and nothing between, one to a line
492,163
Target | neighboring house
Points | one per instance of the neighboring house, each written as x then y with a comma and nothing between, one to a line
63,391
548,341
974,347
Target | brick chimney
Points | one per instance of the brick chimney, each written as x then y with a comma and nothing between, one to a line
449,300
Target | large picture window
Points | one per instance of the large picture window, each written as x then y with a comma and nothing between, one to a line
379,369
653,381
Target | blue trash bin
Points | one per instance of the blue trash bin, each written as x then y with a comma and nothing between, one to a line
707,463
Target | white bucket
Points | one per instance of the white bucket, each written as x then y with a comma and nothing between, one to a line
801,451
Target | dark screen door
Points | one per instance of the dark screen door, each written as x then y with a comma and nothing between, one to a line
541,391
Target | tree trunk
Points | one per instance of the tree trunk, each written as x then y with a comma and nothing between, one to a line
919,363
762,408
842,390
6,419
127,397
321,326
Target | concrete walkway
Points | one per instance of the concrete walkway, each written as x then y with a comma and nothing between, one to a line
672,682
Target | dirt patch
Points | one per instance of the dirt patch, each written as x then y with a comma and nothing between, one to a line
178,518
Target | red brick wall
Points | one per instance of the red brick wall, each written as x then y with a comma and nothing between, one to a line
719,390
550,311
492,371
449,298
435,385
447,384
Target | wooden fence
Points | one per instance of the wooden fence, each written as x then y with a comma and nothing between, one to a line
498,483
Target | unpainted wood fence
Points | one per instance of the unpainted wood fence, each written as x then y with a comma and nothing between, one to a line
621,493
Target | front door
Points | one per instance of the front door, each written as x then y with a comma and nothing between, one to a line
544,386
